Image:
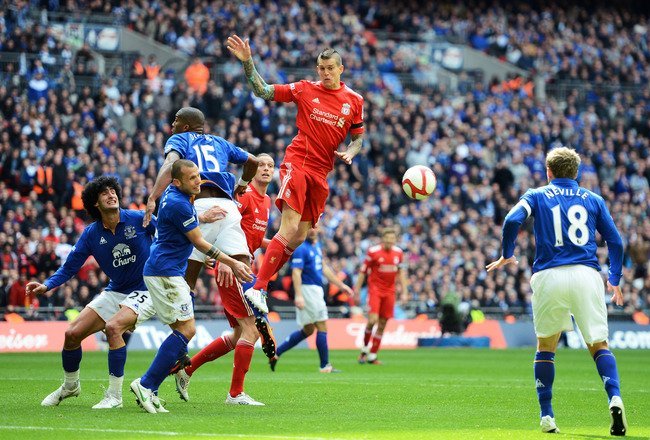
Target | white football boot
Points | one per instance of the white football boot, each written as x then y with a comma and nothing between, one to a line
54,398
109,401
143,396
617,414
158,404
258,299
548,425
242,399
182,384
329,369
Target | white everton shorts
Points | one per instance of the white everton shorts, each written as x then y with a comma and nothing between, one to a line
563,291
171,298
315,309
226,234
108,303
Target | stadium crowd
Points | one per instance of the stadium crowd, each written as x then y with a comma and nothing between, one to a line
486,144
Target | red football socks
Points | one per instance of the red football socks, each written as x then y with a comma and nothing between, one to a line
243,355
214,350
366,337
376,342
277,253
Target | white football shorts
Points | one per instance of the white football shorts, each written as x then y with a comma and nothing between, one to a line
563,291
108,303
315,309
171,298
226,234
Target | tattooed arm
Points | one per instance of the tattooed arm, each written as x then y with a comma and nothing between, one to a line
353,149
242,50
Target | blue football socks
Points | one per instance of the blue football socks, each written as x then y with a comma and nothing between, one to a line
321,345
606,365
294,339
71,359
170,350
544,367
116,361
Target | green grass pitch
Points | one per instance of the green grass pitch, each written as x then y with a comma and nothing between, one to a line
421,394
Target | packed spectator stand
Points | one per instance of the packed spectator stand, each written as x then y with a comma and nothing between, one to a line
62,123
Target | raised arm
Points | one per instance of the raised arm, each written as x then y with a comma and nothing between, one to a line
248,172
163,180
242,50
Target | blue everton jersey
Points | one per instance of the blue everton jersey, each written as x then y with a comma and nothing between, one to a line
309,258
566,220
172,248
211,154
121,255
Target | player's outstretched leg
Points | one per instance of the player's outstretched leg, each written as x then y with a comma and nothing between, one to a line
291,341
71,386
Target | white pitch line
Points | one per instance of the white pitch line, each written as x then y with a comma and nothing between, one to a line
463,384
163,433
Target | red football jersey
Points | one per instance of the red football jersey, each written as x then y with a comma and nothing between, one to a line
325,117
382,267
255,209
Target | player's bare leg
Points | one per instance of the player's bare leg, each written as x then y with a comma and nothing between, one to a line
87,323
367,336
608,371
292,233
544,369
376,341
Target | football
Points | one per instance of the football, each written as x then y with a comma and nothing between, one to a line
419,182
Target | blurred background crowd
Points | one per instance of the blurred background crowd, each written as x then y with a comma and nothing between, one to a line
63,122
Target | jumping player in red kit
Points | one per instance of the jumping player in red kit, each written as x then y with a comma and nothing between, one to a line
328,111
254,206
382,264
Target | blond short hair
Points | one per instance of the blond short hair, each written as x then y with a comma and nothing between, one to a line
563,163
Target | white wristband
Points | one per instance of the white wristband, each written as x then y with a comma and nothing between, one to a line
243,182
